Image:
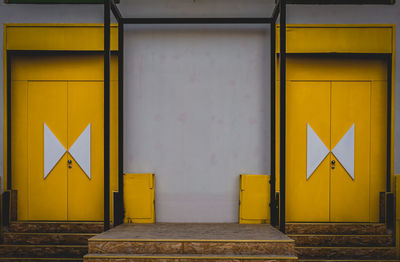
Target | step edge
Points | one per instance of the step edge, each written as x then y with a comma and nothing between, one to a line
50,233
24,245
344,235
189,256
42,258
353,247
191,240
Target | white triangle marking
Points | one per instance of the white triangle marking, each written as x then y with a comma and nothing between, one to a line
344,151
80,151
53,150
316,151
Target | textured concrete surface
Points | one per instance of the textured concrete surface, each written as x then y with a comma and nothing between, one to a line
194,231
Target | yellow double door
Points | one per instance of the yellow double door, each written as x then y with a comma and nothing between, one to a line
63,182
336,140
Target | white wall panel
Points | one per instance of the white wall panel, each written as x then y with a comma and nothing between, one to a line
196,115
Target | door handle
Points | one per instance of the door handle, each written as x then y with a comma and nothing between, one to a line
333,164
69,163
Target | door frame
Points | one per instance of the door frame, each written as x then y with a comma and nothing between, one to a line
334,41
34,40
10,55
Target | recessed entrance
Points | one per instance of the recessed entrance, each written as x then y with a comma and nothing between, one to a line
57,136
336,138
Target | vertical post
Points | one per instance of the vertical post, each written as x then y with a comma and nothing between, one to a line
107,7
274,221
282,130
389,125
120,122
9,184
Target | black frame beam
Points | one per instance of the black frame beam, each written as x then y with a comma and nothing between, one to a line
282,122
107,56
111,6
228,20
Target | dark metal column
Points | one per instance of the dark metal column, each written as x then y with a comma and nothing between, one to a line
121,210
9,177
107,54
389,125
274,220
282,129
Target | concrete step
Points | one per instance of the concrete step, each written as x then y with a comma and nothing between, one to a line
184,258
346,252
337,228
56,227
349,260
17,251
343,240
282,247
192,238
39,259
47,238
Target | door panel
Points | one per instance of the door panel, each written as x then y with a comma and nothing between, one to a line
307,103
85,106
351,105
47,104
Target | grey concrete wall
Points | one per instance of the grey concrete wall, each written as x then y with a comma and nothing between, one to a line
196,148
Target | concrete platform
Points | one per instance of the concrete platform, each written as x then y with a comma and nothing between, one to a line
191,242
194,231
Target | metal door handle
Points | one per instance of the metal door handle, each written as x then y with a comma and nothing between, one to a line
333,164
69,161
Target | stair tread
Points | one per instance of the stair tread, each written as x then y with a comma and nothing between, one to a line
344,235
346,247
39,245
42,258
186,256
348,260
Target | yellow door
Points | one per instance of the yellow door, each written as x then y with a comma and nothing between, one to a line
47,104
307,103
57,140
85,187
336,139
72,189
350,184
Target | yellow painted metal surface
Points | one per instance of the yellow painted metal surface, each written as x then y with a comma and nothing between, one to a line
307,102
85,106
47,103
331,107
58,37
58,93
139,190
254,199
62,67
350,104
338,38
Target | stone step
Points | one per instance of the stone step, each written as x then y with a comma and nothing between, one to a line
56,227
343,240
346,252
349,260
184,258
39,259
47,238
16,251
238,247
337,228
